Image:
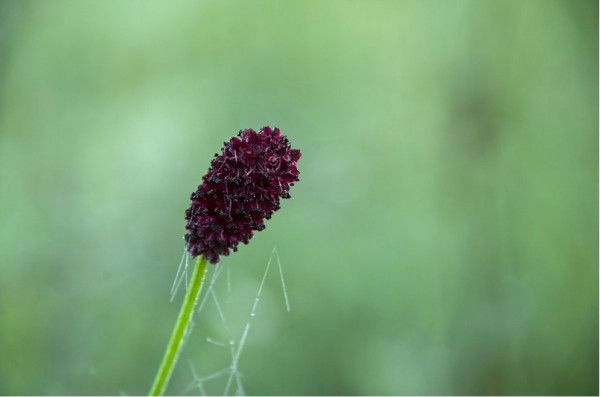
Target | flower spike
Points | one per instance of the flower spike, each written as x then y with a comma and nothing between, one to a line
241,189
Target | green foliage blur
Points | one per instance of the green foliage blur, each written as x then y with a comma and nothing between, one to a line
443,238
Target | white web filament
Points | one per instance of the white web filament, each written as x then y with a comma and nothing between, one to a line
233,375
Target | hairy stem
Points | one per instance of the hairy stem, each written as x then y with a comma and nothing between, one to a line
177,336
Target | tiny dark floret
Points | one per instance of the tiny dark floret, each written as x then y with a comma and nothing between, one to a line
242,188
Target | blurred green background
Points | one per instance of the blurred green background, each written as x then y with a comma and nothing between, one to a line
443,238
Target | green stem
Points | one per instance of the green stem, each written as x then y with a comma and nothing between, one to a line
183,321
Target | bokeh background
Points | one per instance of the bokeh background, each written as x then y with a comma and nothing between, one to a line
443,238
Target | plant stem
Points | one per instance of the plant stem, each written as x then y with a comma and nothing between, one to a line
179,331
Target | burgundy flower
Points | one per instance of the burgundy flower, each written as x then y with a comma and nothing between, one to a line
242,188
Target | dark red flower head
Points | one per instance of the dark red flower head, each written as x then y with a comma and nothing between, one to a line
242,188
